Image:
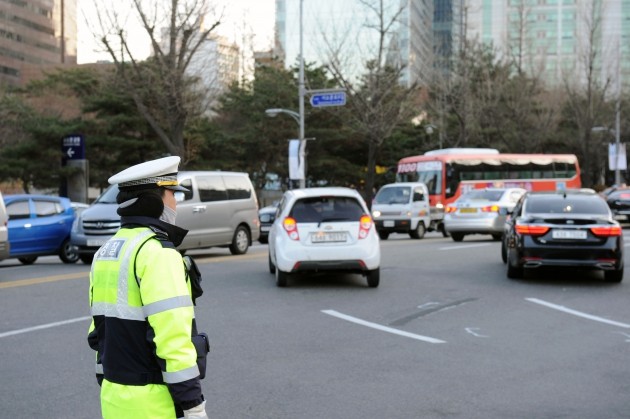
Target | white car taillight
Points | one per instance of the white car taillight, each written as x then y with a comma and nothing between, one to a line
290,226
364,226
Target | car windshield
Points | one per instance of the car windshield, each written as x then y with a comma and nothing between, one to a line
621,194
559,204
483,195
393,195
325,209
109,196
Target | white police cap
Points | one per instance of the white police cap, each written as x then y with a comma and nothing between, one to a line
151,174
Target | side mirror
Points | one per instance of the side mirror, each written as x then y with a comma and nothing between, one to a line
179,196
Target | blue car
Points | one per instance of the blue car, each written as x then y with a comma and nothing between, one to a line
39,225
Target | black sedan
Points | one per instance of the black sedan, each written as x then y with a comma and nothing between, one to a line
266,215
619,203
565,229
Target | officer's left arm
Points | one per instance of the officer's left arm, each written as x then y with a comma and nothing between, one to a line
169,310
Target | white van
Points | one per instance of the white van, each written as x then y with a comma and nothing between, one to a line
402,208
4,232
221,210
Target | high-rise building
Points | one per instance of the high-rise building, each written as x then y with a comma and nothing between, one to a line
553,39
36,33
349,30
447,31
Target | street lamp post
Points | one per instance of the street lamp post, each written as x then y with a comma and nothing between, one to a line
615,133
299,118
302,152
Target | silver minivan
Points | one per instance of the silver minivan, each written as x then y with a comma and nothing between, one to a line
4,232
221,210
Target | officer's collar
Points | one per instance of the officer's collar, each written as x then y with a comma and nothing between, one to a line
175,234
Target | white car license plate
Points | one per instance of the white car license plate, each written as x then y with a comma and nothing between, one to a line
329,237
568,234
96,242
265,228
388,223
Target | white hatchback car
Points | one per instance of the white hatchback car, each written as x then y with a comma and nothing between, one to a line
324,229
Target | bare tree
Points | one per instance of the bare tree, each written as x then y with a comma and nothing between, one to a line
377,100
587,93
164,93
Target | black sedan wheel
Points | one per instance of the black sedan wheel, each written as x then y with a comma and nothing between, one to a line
614,276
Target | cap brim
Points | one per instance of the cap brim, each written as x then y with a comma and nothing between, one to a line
178,188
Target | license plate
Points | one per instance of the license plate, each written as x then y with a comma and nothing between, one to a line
329,237
388,223
568,234
468,210
265,228
96,242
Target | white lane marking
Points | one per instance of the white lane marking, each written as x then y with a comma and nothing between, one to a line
381,327
429,304
471,330
578,313
43,326
465,246
626,335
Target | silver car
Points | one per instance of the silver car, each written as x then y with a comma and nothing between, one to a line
481,211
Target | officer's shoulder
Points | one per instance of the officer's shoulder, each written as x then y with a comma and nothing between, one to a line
161,237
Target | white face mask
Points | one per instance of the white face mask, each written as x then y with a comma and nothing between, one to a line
168,215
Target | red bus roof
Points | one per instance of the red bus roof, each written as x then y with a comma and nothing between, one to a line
494,159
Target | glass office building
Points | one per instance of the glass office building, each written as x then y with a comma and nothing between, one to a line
552,38
346,29
36,32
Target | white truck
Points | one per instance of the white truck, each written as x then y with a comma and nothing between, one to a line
402,208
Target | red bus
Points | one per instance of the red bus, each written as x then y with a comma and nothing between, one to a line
450,172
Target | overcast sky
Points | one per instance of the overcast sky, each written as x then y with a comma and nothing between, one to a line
259,14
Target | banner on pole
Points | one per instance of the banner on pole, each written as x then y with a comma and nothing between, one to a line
617,161
296,163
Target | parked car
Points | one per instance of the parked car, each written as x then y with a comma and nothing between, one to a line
619,202
39,225
324,229
266,216
480,211
565,229
220,210
4,231
402,208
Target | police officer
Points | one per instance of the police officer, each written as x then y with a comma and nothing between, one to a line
142,311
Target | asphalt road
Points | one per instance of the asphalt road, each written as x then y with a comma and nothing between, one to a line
446,335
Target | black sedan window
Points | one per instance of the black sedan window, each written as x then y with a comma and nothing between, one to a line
559,204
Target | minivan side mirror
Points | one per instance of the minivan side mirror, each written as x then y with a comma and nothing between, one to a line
179,196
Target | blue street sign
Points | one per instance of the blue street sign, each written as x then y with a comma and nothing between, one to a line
328,99
73,147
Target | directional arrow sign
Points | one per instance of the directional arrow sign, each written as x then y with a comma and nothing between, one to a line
328,99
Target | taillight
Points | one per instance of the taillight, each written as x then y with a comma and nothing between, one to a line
607,231
490,208
290,226
450,209
365,223
531,229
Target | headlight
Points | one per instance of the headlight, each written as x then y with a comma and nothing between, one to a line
376,213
